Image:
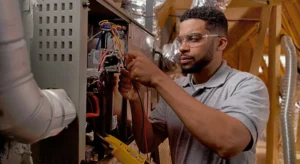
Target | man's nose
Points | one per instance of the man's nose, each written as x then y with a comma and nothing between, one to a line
184,47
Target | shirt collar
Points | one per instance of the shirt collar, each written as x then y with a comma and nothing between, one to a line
216,80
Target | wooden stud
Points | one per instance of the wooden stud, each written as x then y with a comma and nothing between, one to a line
273,133
282,69
245,55
247,3
240,33
259,47
264,68
275,2
290,15
164,12
182,5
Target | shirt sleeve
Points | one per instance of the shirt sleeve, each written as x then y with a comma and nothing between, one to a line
159,122
249,103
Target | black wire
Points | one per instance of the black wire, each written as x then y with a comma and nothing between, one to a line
2,149
143,110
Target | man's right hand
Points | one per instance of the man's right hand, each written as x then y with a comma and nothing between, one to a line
126,87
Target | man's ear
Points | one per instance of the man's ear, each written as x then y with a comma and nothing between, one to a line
222,43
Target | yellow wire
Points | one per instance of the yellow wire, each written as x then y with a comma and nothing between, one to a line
100,23
114,26
118,41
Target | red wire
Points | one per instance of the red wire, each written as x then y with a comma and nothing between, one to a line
145,133
103,54
97,105
92,110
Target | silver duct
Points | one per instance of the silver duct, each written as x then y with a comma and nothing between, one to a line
288,101
27,114
219,4
137,10
27,7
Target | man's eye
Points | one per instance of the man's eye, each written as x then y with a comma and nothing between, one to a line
194,39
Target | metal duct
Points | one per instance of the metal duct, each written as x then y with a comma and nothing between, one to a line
137,10
219,4
288,102
27,114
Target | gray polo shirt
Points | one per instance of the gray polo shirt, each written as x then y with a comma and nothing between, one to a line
239,94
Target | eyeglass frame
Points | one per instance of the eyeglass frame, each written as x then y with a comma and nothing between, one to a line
189,35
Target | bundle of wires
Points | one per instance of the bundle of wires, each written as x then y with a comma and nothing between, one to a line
105,25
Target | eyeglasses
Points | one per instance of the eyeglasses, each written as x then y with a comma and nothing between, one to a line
195,39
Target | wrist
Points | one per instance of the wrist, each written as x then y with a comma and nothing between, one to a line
158,79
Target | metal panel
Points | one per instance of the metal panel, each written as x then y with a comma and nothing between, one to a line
59,60
149,14
140,40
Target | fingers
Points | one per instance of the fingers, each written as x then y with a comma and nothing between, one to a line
125,86
124,73
125,83
131,56
128,60
135,74
123,90
131,64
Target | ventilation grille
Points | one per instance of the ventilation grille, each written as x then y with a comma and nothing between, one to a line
55,31
58,60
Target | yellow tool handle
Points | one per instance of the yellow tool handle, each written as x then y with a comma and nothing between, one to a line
124,153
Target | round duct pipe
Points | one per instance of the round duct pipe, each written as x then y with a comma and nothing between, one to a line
288,101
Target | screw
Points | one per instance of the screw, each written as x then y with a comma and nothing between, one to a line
85,5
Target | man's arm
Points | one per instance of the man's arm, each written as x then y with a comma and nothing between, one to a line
156,130
224,134
137,122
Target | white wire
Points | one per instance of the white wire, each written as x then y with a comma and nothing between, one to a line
94,36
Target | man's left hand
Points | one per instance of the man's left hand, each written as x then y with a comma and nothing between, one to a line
142,69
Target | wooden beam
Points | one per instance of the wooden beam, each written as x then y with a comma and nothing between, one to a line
259,47
243,13
164,12
232,59
275,2
290,21
239,34
182,5
174,27
262,77
247,3
282,69
273,132
264,68
245,55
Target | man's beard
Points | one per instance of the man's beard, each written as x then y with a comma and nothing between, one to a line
199,65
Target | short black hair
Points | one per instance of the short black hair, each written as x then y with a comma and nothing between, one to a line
215,19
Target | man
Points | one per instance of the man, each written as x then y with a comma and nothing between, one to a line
215,114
